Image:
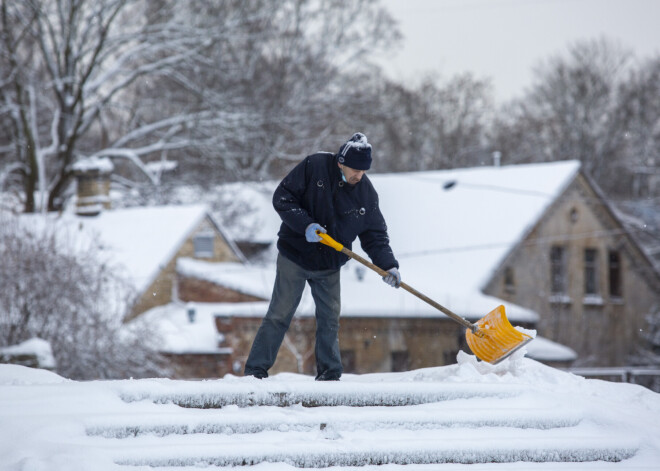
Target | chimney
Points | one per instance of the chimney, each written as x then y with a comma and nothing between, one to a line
497,158
93,181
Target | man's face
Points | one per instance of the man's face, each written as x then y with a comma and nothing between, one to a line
352,176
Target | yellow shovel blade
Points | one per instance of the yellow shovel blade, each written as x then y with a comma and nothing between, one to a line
496,338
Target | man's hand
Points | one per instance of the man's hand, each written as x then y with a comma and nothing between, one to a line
394,278
310,232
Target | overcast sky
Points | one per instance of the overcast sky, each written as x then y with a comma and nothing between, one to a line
505,39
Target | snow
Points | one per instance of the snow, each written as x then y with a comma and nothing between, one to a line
519,412
34,346
100,164
160,166
177,334
358,141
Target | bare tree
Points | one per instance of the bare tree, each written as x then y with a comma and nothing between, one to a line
639,108
571,112
236,85
296,73
70,69
68,296
437,124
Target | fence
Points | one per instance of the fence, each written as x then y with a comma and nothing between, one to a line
644,376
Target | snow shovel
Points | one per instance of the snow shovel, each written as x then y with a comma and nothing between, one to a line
492,338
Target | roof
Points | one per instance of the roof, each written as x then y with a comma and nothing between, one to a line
140,241
449,229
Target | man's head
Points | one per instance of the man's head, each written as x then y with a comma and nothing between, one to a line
354,158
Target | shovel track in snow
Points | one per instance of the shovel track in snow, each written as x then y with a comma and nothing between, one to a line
312,425
322,395
430,454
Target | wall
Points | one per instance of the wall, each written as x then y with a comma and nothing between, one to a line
202,291
367,342
199,365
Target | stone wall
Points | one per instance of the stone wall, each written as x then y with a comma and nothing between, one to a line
200,365
368,344
202,291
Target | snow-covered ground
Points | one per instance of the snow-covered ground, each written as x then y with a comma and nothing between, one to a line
516,415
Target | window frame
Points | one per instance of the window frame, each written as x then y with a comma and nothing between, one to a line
558,270
591,278
614,272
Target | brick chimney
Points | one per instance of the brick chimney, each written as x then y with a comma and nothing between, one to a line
93,181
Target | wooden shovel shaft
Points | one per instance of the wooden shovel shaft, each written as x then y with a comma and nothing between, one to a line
411,290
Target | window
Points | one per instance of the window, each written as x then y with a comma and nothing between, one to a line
509,280
203,245
614,272
400,361
590,271
558,283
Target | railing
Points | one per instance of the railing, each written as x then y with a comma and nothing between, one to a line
645,376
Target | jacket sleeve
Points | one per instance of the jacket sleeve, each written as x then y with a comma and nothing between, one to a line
288,197
376,243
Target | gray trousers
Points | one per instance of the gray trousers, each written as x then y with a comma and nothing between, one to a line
289,285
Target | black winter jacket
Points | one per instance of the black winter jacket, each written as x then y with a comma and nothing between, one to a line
314,192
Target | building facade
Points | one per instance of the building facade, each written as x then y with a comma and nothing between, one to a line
585,276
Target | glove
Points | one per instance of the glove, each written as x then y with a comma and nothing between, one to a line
310,232
394,278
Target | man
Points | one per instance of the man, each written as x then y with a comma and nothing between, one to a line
331,194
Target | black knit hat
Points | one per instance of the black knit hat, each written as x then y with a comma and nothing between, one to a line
356,152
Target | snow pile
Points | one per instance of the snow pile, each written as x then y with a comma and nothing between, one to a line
36,347
469,412
16,375
177,332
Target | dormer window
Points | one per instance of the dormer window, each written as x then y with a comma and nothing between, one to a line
204,245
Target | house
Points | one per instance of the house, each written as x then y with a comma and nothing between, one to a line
539,238
586,276
143,244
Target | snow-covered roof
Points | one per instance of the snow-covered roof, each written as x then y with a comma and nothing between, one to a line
139,241
178,333
516,415
449,229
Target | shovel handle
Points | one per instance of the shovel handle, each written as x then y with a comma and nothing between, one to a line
330,242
